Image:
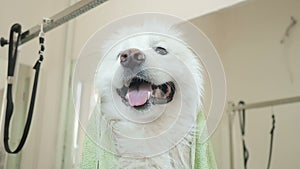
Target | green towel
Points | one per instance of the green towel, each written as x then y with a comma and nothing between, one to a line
204,156
94,157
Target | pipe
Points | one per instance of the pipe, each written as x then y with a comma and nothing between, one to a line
265,104
62,17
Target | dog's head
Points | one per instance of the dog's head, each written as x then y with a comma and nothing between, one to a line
146,75
150,85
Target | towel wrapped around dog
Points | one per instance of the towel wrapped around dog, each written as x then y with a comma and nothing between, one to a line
95,157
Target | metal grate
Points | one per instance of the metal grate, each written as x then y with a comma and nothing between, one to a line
61,18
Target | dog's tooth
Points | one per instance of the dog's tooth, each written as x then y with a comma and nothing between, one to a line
149,95
127,83
157,94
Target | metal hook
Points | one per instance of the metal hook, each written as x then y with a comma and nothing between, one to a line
44,22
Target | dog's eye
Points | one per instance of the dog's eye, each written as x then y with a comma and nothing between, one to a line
161,50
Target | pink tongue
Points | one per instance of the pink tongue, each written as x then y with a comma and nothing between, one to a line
138,95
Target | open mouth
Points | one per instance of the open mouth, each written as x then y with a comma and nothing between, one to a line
141,93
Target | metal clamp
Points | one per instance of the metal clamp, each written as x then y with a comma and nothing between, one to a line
10,79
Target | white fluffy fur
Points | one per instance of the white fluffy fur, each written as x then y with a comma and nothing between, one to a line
182,67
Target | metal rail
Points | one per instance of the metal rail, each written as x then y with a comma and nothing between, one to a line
233,108
265,104
60,18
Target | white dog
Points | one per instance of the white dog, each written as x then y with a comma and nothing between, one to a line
150,89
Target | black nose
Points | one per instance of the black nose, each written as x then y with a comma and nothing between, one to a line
132,57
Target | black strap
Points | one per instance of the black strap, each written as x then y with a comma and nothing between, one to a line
271,141
242,119
12,57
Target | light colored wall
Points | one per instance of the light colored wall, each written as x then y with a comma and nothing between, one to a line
259,68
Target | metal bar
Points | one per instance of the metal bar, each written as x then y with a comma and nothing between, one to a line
231,116
61,18
232,108
266,103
